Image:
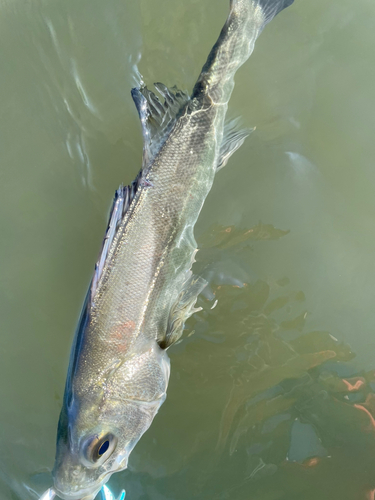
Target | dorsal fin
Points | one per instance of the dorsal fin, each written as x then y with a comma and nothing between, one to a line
121,203
233,139
157,118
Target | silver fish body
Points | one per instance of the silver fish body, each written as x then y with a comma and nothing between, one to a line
143,289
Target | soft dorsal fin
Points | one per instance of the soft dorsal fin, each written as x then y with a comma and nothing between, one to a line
233,139
157,118
121,203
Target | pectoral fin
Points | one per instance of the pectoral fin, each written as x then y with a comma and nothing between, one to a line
233,139
182,309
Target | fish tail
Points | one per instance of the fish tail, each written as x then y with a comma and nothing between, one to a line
271,7
234,46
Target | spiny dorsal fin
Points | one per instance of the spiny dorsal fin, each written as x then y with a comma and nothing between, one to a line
182,309
121,203
157,118
233,139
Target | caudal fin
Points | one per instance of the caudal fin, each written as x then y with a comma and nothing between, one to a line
244,24
271,8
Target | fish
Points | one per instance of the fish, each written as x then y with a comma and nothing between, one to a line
143,289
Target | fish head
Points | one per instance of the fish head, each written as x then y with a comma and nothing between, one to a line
89,450
94,440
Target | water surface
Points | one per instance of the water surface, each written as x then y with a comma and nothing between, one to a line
272,397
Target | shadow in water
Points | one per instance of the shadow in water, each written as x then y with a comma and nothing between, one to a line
297,420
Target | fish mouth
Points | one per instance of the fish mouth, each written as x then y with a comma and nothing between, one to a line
51,493
85,494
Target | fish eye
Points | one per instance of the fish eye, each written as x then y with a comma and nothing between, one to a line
103,448
97,449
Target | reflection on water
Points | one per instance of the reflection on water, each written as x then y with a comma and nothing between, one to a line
273,395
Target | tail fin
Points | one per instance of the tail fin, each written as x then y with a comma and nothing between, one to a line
245,22
271,8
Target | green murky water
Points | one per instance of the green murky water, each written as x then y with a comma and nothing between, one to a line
273,397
